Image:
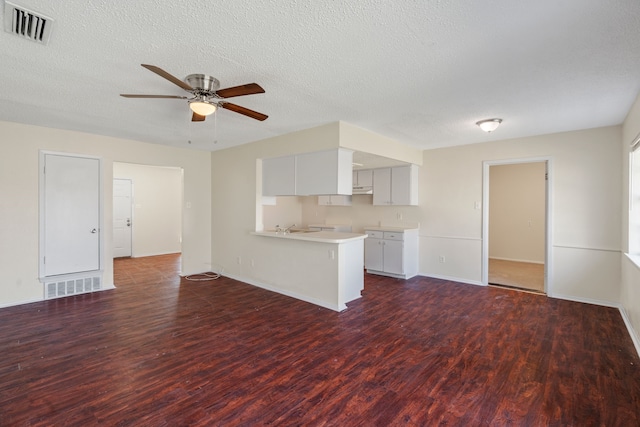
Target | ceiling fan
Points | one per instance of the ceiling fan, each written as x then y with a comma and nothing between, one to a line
206,95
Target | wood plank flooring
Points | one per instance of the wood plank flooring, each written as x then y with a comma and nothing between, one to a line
160,351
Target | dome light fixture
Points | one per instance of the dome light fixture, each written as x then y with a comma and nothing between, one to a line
203,107
489,125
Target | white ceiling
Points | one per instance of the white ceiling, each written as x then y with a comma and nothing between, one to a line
420,72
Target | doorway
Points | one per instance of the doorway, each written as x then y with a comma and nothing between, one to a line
516,224
156,208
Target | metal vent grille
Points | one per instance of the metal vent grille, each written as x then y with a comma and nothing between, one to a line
26,23
75,286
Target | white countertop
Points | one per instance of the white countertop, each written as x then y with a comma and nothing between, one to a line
314,236
383,228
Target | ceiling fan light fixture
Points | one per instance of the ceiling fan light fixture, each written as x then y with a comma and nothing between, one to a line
203,108
489,125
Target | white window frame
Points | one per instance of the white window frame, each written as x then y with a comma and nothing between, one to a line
634,201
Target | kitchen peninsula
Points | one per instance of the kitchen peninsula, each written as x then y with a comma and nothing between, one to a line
321,267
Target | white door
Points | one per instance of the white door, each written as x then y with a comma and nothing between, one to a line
71,224
122,203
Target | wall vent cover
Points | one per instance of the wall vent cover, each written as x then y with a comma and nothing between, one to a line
72,286
27,24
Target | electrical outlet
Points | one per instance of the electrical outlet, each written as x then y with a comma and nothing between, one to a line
253,264
239,260
399,216
441,259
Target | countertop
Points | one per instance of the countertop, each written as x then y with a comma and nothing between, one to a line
383,228
314,236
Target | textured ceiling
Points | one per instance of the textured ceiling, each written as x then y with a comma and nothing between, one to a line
420,72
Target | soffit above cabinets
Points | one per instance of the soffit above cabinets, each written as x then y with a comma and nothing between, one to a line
363,160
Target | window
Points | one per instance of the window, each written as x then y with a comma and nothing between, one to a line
634,199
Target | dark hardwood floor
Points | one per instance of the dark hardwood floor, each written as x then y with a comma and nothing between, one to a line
160,351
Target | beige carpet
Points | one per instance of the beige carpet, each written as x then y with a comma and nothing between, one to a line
525,275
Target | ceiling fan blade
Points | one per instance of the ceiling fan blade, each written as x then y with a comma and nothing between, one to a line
248,89
242,110
129,95
162,73
197,118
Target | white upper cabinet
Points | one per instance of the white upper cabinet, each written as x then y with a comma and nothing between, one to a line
279,176
363,178
382,186
319,173
337,200
324,172
396,186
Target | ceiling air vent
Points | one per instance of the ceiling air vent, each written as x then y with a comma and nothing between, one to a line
26,23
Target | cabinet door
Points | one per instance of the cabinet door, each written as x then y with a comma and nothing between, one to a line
400,185
338,200
365,178
393,256
382,186
324,172
404,185
279,176
373,254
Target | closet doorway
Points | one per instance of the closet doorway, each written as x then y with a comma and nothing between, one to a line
515,224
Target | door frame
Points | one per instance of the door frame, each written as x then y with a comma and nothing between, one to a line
548,255
41,198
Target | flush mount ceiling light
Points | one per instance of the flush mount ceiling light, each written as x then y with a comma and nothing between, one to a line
202,107
489,125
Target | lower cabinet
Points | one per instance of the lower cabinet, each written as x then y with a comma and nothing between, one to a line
392,253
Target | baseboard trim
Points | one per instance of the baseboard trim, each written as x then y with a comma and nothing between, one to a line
13,304
453,279
634,336
334,307
584,300
31,301
517,260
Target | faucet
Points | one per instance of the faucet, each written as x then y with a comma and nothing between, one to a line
288,229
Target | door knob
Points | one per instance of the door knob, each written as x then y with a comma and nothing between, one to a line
128,222
94,231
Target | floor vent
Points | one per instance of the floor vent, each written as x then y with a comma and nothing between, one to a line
26,23
79,285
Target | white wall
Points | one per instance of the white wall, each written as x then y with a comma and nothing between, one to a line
630,281
286,212
585,171
360,214
157,208
236,202
19,202
585,194
517,212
